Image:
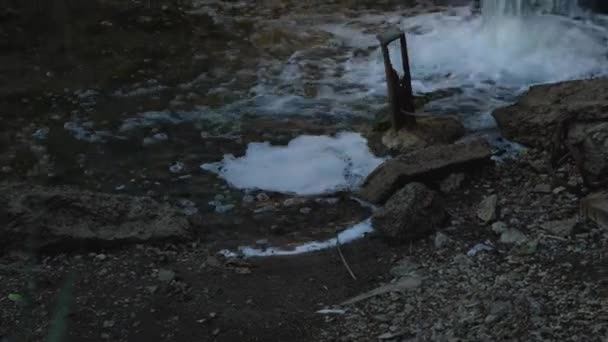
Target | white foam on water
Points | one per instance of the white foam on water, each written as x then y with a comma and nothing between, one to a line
490,60
308,165
351,234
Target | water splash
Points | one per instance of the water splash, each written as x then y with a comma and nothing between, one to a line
519,8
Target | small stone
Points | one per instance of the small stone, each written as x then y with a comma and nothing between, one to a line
290,202
262,197
441,240
212,261
176,167
542,189
513,236
499,227
41,134
101,257
220,209
480,247
262,242
561,228
108,324
559,190
152,289
305,210
404,268
264,209
452,183
166,275
487,208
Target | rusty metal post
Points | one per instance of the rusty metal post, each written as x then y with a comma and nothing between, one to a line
400,97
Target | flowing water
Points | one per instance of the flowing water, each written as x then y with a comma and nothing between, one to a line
322,64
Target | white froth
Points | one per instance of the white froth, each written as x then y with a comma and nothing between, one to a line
490,60
308,165
351,234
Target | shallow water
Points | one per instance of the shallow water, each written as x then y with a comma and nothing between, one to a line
330,65
324,69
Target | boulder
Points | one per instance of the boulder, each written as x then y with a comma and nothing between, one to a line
431,163
540,113
588,143
428,131
570,114
595,208
413,212
65,218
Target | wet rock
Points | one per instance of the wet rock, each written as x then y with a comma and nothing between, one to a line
428,131
426,164
513,236
452,182
595,208
562,228
64,217
487,209
413,212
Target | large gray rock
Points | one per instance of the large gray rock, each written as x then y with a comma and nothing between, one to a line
568,114
412,213
430,163
540,114
63,218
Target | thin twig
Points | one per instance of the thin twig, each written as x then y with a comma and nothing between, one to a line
343,259
559,238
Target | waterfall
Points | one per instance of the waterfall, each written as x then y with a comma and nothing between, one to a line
519,8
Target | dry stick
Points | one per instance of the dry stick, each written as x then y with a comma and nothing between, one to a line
343,259
559,238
